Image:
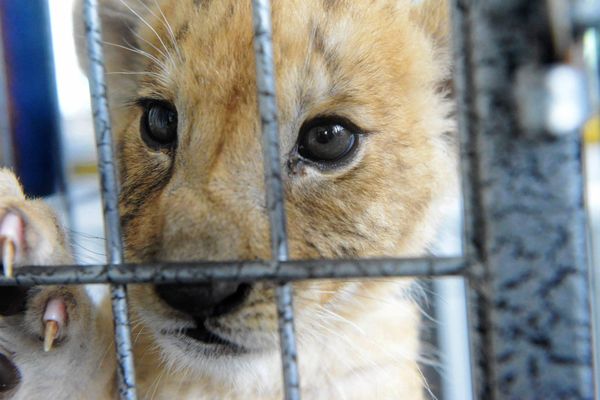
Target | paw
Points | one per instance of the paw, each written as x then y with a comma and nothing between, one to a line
34,320
24,242
30,234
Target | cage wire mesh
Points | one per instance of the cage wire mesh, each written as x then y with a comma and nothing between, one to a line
525,249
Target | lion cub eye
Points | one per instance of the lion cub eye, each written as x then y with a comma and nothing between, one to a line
327,140
158,125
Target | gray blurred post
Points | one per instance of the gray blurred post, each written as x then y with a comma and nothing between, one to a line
110,196
526,220
6,146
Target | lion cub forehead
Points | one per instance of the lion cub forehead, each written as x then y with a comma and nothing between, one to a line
213,38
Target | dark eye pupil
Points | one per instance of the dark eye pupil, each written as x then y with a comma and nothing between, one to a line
159,125
324,135
326,143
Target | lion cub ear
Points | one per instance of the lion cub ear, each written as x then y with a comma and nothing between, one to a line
120,19
434,18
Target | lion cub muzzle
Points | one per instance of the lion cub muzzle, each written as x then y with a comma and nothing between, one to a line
202,301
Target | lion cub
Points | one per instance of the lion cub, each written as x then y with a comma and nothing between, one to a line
366,161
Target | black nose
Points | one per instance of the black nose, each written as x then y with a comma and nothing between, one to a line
204,300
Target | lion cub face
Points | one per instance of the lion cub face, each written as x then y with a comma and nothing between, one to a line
363,151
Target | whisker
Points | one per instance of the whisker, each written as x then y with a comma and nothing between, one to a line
134,50
106,352
325,316
157,382
134,327
340,318
149,26
137,51
160,78
85,235
173,37
145,73
138,36
82,247
166,24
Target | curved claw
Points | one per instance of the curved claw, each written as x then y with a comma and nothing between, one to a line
55,317
50,333
8,256
11,233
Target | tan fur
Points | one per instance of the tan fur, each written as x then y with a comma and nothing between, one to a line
381,64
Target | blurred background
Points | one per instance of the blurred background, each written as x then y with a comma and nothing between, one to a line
51,140
51,146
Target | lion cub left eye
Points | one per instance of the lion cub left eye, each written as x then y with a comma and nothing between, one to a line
158,126
327,140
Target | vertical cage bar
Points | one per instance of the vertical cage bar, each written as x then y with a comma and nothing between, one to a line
110,197
265,75
529,284
473,220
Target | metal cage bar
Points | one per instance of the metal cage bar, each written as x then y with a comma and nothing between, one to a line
110,195
249,271
267,100
473,222
528,284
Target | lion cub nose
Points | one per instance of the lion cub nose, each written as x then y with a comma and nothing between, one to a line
205,300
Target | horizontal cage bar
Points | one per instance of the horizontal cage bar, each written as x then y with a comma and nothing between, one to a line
237,271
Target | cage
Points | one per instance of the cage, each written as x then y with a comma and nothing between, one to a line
525,256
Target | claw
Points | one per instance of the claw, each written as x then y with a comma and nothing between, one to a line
8,257
50,333
11,232
55,316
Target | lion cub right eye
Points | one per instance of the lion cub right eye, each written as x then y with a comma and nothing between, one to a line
328,141
158,125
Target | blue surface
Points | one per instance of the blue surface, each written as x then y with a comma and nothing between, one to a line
33,105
